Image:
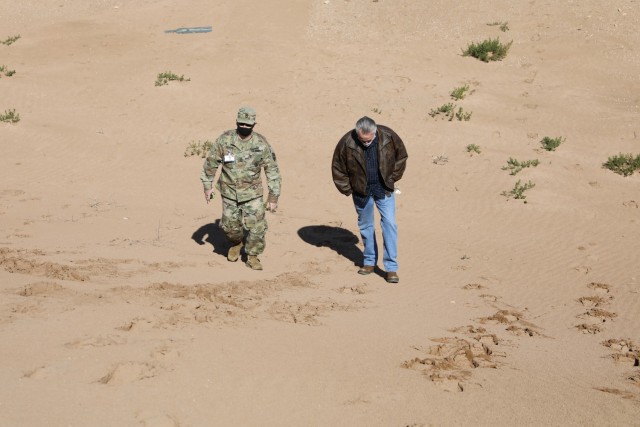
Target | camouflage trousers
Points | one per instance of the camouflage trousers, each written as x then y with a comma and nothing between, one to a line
249,216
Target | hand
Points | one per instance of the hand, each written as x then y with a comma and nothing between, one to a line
272,206
208,195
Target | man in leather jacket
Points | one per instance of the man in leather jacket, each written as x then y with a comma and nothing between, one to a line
367,163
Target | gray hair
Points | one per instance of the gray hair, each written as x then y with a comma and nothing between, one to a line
366,125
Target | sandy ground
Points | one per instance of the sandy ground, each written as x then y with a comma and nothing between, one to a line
117,304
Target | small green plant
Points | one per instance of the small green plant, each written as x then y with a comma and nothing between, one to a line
459,92
623,164
488,50
198,148
504,26
376,110
449,112
550,144
446,109
463,116
7,72
517,192
10,40
10,116
473,148
516,166
166,77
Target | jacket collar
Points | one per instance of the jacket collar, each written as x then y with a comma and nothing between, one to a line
383,139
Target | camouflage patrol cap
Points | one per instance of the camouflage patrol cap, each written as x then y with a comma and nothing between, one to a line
246,115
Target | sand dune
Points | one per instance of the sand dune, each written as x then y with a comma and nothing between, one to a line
118,306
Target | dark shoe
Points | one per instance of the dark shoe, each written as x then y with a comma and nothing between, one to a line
234,252
392,277
366,269
253,262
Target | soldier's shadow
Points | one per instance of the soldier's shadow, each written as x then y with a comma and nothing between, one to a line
212,234
338,239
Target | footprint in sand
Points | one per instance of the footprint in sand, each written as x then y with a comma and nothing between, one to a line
138,323
235,302
99,341
45,289
151,419
514,321
469,329
625,351
161,359
601,288
165,354
308,313
129,372
621,393
19,262
472,286
595,313
479,334
584,269
598,313
587,328
353,290
41,372
398,83
594,301
450,363
489,298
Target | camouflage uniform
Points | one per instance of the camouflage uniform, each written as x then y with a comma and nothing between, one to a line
240,184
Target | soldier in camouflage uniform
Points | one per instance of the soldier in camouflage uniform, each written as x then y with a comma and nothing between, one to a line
242,154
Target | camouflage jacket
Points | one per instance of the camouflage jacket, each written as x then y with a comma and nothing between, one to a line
241,162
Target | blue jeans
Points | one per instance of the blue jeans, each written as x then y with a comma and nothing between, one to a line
387,209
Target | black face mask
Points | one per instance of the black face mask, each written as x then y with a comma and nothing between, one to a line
244,132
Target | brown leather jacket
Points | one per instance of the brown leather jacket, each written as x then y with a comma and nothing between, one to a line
348,165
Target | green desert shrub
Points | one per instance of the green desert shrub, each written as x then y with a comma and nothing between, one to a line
166,77
515,166
449,112
488,50
504,26
550,144
10,40
473,148
459,92
10,116
462,115
517,192
7,72
623,164
443,109
198,148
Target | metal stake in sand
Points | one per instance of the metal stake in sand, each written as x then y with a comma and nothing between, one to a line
189,30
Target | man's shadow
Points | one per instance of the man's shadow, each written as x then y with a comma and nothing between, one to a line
214,236
338,239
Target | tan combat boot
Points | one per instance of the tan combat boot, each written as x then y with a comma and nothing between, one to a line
253,262
234,252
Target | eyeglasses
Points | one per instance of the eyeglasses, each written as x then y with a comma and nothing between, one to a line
245,125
